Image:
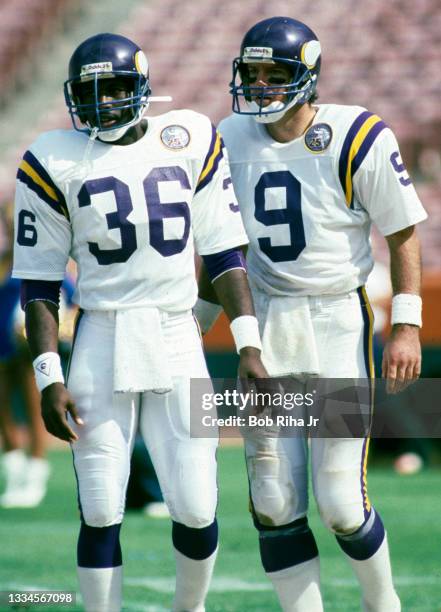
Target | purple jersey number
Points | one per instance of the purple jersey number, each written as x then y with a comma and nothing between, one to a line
157,212
291,215
399,168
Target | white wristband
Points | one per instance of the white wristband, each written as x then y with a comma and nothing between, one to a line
406,308
245,330
206,314
47,370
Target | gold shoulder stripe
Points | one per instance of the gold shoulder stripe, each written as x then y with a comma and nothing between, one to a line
27,169
211,159
355,147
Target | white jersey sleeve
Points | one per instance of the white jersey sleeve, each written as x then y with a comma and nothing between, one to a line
217,222
383,187
43,234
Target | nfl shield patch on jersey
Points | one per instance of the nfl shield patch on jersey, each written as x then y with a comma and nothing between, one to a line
175,137
318,137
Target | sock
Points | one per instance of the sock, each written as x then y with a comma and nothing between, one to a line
368,554
195,554
298,587
290,558
100,568
101,589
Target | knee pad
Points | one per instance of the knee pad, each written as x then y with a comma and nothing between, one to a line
99,547
340,501
100,515
272,488
342,519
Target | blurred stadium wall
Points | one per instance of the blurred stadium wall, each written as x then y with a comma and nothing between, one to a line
384,56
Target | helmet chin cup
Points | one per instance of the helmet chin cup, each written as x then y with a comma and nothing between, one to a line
112,135
268,114
276,110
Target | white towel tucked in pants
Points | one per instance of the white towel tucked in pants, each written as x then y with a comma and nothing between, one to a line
140,357
288,339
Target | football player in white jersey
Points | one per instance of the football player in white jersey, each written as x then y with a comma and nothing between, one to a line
310,179
129,200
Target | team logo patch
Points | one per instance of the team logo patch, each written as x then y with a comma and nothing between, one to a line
175,137
318,137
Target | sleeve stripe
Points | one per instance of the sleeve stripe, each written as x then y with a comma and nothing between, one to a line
212,160
366,145
214,134
32,174
358,142
344,155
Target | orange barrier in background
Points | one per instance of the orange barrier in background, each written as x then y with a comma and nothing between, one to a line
220,339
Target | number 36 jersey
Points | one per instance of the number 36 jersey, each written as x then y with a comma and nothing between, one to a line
130,216
308,204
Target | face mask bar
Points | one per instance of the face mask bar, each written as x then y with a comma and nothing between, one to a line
303,83
81,114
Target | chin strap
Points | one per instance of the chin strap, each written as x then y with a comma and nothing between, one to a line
92,137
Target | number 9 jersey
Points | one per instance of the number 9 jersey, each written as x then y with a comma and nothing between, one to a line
130,216
308,204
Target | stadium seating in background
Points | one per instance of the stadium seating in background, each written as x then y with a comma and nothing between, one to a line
384,56
26,26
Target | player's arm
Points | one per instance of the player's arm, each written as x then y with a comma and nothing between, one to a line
42,240
219,232
402,353
207,308
41,318
385,190
223,284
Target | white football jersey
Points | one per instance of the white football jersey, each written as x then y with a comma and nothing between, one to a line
308,204
130,216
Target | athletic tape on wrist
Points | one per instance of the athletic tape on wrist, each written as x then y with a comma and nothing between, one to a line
47,369
206,314
245,330
406,308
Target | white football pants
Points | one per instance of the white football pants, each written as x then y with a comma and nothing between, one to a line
278,467
186,467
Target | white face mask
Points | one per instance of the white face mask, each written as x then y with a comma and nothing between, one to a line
276,110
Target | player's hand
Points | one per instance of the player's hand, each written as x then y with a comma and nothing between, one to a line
250,364
402,358
56,402
252,374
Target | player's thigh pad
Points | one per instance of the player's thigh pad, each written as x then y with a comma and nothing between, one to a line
341,329
339,482
186,466
277,473
102,453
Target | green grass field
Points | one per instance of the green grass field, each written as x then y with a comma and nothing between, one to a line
37,547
